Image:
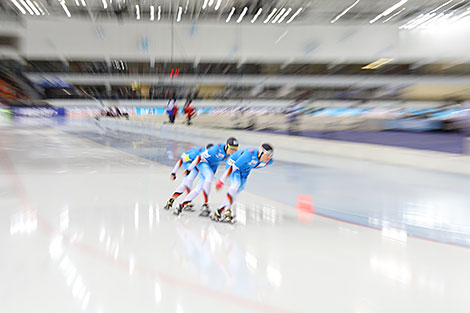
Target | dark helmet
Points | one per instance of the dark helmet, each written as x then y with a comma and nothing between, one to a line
209,145
266,148
231,143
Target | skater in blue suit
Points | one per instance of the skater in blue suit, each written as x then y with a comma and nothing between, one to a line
185,161
207,163
239,167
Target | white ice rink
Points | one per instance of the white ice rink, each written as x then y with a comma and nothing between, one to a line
82,229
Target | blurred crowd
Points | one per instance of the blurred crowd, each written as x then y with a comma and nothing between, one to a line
172,110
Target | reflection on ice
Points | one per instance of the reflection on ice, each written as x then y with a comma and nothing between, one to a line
274,275
24,222
157,293
70,272
391,268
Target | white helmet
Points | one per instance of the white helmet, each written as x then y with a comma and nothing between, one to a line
266,148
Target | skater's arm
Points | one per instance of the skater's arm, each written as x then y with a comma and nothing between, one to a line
225,175
177,166
194,163
229,171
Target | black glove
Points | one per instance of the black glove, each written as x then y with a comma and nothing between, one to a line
173,176
186,172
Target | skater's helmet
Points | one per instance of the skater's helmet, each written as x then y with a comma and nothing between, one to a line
209,145
231,143
266,149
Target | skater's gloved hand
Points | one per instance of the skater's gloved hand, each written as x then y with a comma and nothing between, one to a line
173,176
219,185
186,172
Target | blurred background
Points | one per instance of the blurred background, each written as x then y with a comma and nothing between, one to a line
367,106
344,70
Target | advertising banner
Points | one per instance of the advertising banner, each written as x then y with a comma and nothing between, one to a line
38,112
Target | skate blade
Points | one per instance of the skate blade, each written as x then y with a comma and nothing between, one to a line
229,221
215,219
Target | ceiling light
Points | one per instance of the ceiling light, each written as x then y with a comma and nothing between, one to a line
432,20
442,5
295,15
230,15
344,12
240,18
39,8
403,9
27,7
43,8
270,15
217,5
256,15
418,21
394,7
388,11
152,12
31,5
278,16
441,17
19,6
180,11
285,15
64,6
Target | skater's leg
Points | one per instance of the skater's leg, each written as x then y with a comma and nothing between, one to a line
190,180
186,204
230,197
232,192
206,187
224,212
195,192
179,191
236,186
205,182
186,185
